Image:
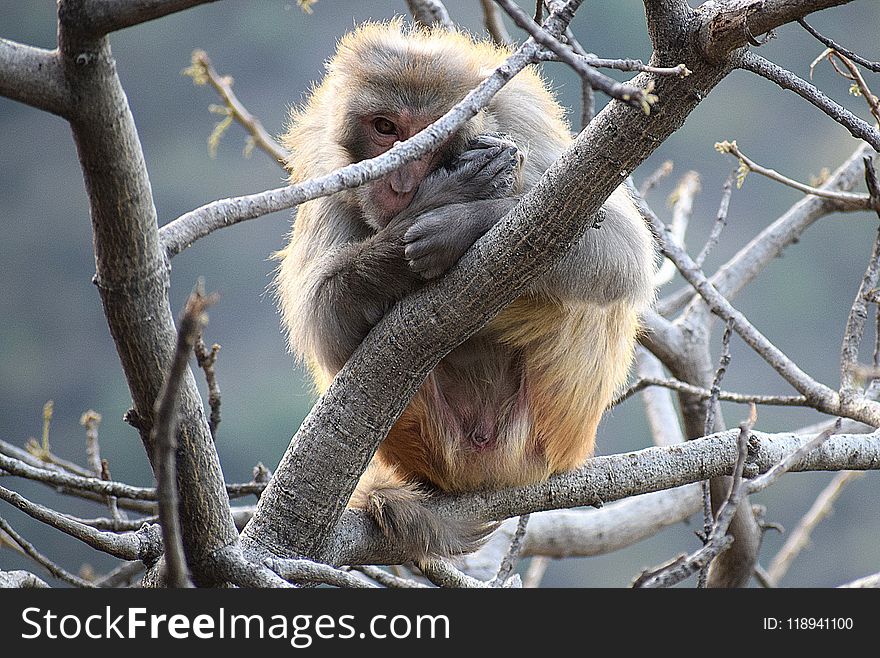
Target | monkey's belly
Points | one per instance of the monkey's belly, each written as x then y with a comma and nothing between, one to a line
492,419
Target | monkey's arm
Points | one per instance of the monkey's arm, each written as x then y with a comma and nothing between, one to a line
350,290
614,261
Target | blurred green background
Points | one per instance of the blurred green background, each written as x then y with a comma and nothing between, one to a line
54,343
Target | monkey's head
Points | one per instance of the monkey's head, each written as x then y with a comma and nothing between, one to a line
386,83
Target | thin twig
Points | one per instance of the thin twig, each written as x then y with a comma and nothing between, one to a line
682,201
720,222
704,393
30,550
858,314
387,579
306,571
718,539
206,361
164,438
535,572
202,72
494,23
763,577
822,397
708,428
856,77
640,98
651,181
800,536
847,200
859,128
858,59
508,563
766,479
121,575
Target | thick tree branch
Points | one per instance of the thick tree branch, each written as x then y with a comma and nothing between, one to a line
357,540
33,76
736,23
96,18
132,271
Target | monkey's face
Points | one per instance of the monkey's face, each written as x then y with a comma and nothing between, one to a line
374,134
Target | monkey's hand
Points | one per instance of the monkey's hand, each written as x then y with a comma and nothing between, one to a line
466,202
488,169
439,238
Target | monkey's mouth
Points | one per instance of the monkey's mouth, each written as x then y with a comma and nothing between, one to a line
389,203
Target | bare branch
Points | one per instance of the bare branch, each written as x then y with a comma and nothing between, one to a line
736,23
512,556
388,579
720,222
643,383
164,438
443,574
640,98
651,181
766,479
824,398
858,314
202,72
33,76
858,59
356,540
206,361
535,572
21,580
846,201
682,200
717,539
306,571
31,551
144,544
95,18
857,127
494,23
800,536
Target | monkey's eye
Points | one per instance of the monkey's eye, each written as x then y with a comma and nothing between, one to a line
384,126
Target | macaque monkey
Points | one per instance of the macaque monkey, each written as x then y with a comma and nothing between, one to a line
522,398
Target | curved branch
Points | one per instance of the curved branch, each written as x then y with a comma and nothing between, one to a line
145,544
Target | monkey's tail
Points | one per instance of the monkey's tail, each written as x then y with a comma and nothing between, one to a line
398,507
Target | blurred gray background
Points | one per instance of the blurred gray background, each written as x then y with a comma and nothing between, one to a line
54,343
